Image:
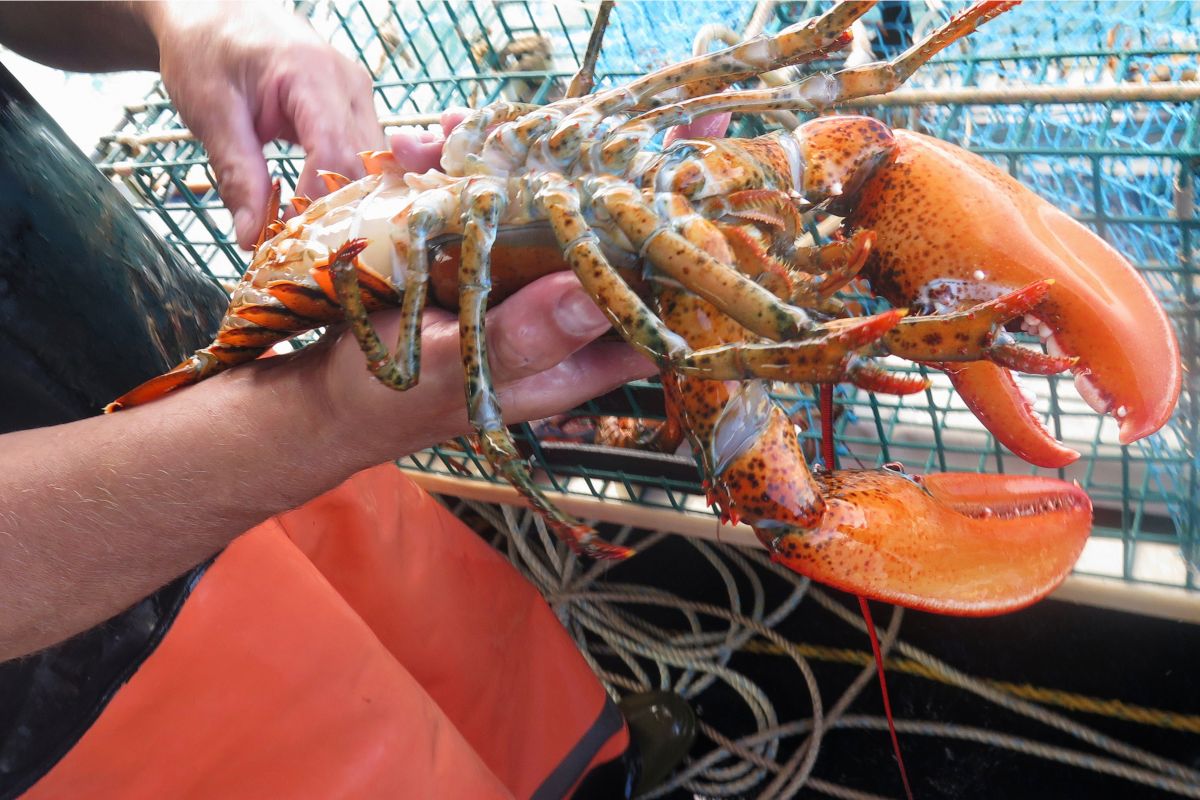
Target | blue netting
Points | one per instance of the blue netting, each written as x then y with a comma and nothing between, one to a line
1126,167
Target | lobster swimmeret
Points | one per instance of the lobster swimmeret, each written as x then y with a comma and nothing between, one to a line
693,255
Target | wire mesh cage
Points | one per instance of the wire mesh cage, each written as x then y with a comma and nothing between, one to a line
1115,142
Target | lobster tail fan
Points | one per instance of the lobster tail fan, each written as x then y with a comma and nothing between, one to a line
202,364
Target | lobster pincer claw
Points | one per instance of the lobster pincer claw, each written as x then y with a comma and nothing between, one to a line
975,333
957,543
821,358
998,236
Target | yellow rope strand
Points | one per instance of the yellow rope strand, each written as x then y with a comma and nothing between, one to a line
1115,709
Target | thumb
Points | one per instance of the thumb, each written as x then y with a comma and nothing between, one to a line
712,126
236,155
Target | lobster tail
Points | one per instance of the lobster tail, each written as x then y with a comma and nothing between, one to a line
202,364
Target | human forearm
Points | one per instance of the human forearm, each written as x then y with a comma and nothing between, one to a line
96,514
88,36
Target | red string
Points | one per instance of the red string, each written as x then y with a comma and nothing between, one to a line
887,703
828,451
829,455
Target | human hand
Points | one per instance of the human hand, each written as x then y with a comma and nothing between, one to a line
244,74
541,351
540,343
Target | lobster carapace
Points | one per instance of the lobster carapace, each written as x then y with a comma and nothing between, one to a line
694,255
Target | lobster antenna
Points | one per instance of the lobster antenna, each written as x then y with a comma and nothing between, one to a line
585,79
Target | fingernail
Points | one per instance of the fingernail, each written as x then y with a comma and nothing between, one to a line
578,315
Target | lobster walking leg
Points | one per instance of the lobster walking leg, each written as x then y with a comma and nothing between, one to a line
813,93
972,334
630,316
823,358
731,292
399,369
584,79
475,282
469,136
345,283
762,54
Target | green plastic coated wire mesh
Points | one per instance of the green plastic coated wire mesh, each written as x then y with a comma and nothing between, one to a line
1110,152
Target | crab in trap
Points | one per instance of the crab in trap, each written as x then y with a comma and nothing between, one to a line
693,254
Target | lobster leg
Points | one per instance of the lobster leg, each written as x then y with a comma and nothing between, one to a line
813,93
584,79
823,358
630,316
762,54
401,368
487,204
507,147
468,136
673,256
349,296
398,370
971,335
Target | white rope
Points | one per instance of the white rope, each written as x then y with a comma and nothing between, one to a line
638,638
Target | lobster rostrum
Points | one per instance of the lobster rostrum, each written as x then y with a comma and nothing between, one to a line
693,253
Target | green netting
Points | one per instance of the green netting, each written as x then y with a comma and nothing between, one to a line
1124,164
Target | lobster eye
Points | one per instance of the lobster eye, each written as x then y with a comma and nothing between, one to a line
896,468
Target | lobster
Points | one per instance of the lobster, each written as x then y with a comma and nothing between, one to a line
693,254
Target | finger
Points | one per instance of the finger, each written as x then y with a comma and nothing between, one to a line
417,152
588,373
713,126
451,118
332,130
539,326
235,153
421,152
364,118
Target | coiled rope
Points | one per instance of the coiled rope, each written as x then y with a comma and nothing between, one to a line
633,646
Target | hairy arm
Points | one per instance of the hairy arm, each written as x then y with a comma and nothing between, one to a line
88,36
98,513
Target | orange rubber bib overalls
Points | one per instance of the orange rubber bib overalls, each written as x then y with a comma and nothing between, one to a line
366,645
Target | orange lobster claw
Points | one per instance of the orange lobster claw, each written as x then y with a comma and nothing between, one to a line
957,543
993,395
994,235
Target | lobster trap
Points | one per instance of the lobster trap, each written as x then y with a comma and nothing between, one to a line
1095,107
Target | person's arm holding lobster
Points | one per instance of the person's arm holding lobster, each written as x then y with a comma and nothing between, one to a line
241,74
97,513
